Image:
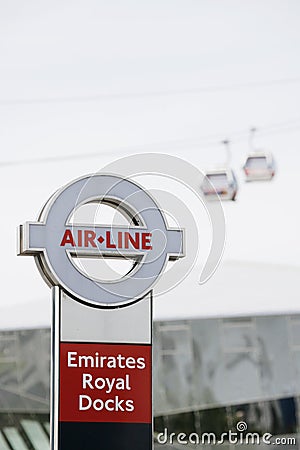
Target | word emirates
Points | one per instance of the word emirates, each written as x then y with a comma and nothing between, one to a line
107,385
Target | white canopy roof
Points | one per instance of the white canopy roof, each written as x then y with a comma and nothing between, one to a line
236,289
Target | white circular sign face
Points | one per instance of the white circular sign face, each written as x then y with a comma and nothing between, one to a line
54,241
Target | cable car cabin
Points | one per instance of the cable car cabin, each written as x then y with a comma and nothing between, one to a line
220,183
259,167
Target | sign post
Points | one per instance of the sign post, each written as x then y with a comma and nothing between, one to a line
101,394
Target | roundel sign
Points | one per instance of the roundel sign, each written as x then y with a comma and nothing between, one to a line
54,240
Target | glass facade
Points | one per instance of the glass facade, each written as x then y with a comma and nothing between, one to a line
209,374
210,363
25,370
24,431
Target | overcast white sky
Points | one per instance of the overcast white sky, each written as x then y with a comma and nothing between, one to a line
128,57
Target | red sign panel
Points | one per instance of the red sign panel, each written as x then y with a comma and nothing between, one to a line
105,383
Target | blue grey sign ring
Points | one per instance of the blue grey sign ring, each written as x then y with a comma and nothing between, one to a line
53,240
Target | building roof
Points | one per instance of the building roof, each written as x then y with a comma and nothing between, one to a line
236,289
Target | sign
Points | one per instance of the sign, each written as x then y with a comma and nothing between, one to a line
53,240
103,375
102,330
105,380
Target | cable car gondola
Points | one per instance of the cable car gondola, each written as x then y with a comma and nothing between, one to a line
220,183
259,165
